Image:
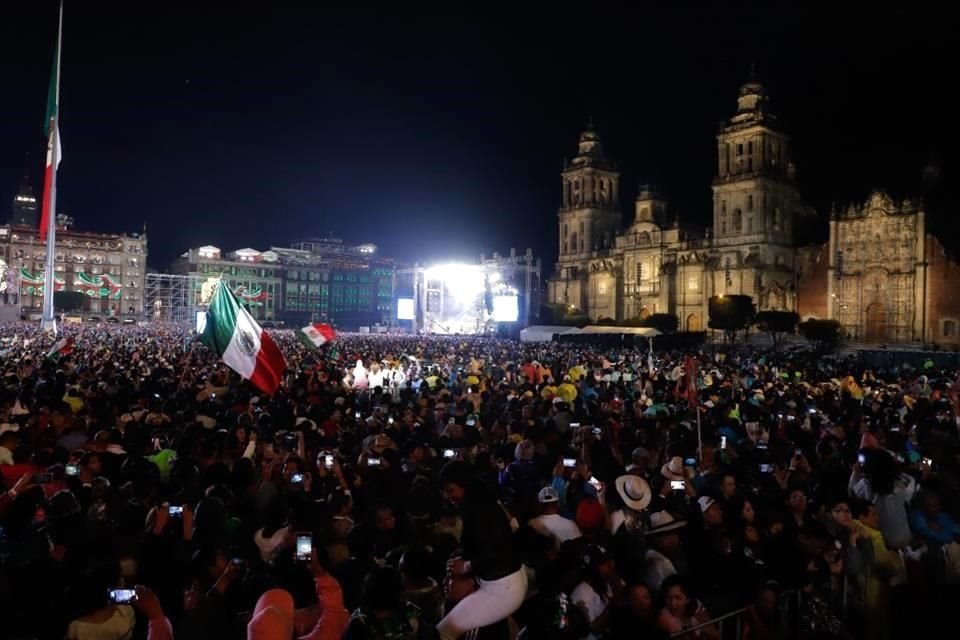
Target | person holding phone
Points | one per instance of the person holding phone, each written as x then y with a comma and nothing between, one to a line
106,611
488,554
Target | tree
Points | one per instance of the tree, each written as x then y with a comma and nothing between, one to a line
559,314
823,334
777,323
662,322
730,314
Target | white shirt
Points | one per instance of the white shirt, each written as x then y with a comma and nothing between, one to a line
589,601
556,526
375,378
118,627
658,568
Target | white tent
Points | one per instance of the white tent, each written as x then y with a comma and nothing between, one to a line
544,333
644,332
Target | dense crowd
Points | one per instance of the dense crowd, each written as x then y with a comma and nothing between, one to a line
400,487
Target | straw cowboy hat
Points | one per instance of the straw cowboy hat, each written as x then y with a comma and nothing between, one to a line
673,470
634,491
663,522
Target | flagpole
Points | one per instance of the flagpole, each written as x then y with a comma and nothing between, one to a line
48,322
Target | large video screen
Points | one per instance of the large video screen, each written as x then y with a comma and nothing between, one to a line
405,309
505,309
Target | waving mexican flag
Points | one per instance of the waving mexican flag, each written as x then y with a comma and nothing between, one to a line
315,335
236,337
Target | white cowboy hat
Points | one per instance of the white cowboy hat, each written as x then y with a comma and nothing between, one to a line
673,470
634,491
662,522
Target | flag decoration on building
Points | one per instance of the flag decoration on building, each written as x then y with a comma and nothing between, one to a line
60,348
235,336
316,335
53,144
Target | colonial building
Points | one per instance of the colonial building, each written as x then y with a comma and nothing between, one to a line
109,269
254,276
315,280
657,266
882,275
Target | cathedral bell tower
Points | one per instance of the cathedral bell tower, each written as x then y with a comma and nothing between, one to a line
589,214
754,195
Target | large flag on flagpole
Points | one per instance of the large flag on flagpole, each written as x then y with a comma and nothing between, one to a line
236,337
52,124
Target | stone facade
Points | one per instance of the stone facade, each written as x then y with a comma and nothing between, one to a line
882,275
108,268
658,266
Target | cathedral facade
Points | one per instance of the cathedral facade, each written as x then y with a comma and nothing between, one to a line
876,275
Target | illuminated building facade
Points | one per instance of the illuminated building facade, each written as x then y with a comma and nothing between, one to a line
314,280
108,269
882,274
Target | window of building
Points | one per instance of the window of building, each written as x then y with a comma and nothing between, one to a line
750,202
740,149
750,148
602,288
749,224
949,328
693,283
737,220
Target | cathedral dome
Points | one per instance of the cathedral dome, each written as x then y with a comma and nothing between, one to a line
590,144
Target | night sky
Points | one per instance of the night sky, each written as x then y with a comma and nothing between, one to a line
441,135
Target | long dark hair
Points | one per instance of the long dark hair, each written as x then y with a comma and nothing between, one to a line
464,475
880,469
679,581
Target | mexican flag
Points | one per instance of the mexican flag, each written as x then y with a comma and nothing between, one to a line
315,335
53,141
61,348
236,337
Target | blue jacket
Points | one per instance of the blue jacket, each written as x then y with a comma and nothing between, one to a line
920,525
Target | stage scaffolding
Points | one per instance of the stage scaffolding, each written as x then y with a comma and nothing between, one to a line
172,298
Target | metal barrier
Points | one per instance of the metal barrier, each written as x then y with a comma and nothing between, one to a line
798,611
718,622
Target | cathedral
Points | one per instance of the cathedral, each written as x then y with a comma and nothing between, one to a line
882,275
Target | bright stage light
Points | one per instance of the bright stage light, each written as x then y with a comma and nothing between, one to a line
464,281
405,310
505,309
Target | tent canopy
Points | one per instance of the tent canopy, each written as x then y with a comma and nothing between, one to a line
643,332
543,332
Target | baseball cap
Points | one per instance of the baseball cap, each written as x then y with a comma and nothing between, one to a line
548,495
705,503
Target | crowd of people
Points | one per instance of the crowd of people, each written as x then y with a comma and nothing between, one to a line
400,487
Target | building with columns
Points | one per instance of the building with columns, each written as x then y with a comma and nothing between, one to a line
882,274
656,265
